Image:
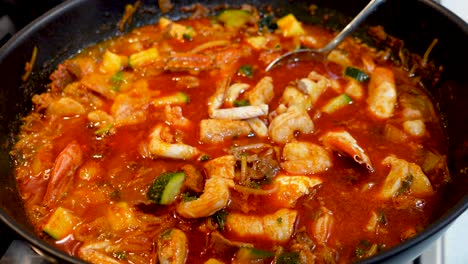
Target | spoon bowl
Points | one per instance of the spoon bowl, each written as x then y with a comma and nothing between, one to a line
322,53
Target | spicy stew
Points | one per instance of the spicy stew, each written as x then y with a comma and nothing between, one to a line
172,144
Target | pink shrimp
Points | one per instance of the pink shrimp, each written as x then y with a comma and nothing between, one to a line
65,166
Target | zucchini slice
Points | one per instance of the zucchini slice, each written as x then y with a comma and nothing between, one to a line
356,74
61,223
166,187
234,17
337,103
177,98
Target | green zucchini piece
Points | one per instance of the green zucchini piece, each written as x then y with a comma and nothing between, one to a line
234,17
177,98
60,224
356,74
249,255
166,187
337,103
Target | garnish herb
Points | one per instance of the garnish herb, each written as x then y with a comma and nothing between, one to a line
246,70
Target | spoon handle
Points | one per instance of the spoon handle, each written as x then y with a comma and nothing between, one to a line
371,6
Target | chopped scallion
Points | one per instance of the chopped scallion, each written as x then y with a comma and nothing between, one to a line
246,70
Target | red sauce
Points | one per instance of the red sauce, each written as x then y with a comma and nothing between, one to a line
334,220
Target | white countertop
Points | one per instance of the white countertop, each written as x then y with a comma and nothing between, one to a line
459,7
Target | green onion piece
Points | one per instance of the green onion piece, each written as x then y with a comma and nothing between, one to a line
186,197
220,218
103,131
246,70
121,255
239,103
204,157
356,73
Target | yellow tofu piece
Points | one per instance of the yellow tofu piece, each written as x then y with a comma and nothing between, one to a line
258,42
290,26
61,223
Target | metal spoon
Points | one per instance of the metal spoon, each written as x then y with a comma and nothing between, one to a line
321,53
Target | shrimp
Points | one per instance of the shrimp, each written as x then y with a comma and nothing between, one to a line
305,158
278,227
160,148
404,176
283,126
263,92
343,142
290,188
216,194
172,247
217,130
65,166
243,112
323,226
382,93
313,86
293,97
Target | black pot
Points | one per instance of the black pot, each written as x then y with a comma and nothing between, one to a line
73,25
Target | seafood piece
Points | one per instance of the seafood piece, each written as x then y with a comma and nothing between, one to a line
291,188
283,126
99,117
227,58
305,158
278,226
98,83
340,57
130,108
262,93
258,126
244,112
416,105
65,166
415,128
343,142
217,99
188,62
404,177
194,179
217,130
174,117
216,194
65,106
97,252
172,247
234,91
293,97
160,148
382,93
322,227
